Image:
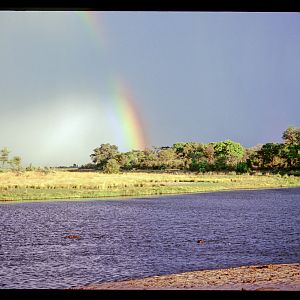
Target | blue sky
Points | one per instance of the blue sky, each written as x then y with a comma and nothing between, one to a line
195,76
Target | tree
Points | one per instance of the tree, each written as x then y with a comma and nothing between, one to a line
4,153
291,135
167,158
149,159
128,160
291,155
111,166
104,153
209,153
124,161
252,159
178,147
187,151
16,162
270,156
200,166
228,154
242,167
203,158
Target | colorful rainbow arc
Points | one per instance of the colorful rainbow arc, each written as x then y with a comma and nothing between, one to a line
124,107
129,118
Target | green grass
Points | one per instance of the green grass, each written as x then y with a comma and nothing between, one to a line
71,185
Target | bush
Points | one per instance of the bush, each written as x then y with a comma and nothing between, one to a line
88,166
242,167
112,166
30,168
199,166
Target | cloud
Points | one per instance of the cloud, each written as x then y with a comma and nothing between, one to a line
63,129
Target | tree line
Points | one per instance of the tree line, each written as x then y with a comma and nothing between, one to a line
222,156
211,157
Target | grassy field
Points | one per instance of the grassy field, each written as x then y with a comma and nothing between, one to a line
68,185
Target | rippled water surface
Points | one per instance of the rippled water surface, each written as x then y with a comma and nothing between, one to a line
133,238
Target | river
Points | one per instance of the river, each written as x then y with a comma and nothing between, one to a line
139,237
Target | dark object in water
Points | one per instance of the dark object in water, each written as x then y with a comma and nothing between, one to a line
200,241
72,237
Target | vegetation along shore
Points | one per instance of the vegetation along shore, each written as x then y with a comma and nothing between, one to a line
182,168
32,185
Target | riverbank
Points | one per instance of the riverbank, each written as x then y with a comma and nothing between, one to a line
33,185
272,277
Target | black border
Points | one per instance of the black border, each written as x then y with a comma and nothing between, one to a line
145,294
155,5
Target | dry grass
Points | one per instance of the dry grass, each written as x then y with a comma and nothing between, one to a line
34,185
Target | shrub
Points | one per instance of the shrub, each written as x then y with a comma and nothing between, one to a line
242,167
199,166
30,168
111,166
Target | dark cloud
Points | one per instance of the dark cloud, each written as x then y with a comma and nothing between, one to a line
194,76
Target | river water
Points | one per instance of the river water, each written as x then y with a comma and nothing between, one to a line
139,237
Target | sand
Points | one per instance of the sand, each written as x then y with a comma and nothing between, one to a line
271,277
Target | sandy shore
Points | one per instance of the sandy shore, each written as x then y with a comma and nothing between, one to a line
281,277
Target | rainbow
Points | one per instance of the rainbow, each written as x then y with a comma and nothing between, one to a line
129,118
129,128
95,27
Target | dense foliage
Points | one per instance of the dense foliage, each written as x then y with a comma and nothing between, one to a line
216,156
191,156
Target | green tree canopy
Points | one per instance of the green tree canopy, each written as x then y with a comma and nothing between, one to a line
270,156
167,158
228,153
291,135
111,166
103,153
195,156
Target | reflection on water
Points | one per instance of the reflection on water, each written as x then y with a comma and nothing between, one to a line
144,237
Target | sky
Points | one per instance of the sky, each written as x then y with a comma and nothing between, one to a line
71,81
